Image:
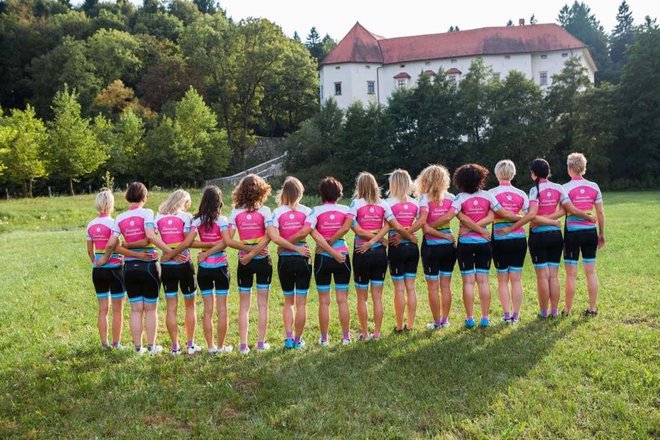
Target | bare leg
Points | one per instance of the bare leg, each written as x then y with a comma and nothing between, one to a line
221,303
170,319
137,310
503,291
445,287
262,303
569,290
516,290
399,303
191,318
344,312
484,293
363,313
207,320
244,317
468,294
411,301
592,284
324,311
377,299
151,322
102,323
434,299
554,287
301,314
117,319
543,288
287,314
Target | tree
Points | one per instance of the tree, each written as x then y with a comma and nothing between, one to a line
621,38
73,149
313,43
509,23
24,140
207,6
115,55
581,23
296,37
158,24
532,19
124,142
184,10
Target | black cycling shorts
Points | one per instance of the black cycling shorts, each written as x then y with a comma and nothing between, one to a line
584,241
438,260
370,266
474,258
326,268
142,280
262,268
509,254
210,278
178,276
404,260
545,248
295,272
108,282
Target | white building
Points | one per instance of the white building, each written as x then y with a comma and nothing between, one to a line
367,67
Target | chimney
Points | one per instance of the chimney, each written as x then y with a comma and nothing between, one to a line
521,22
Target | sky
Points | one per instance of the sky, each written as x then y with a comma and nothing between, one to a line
416,17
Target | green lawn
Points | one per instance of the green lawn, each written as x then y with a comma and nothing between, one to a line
568,378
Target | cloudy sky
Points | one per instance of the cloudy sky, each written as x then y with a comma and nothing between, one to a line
413,17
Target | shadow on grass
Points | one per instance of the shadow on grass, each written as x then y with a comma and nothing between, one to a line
418,384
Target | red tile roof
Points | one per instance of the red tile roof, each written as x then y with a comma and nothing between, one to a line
402,75
429,73
361,46
453,71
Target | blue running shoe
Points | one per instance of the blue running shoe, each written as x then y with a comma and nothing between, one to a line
299,345
288,343
485,322
469,323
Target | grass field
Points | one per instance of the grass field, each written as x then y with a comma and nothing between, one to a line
567,378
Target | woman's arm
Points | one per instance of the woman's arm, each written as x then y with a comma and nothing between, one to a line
301,235
528,217
109,249
137,244
421,221
131,253
260,246
600,216
157,241
508,215
470,224
571,209
490,217
426,229
444,219
376,238
196,244
394,223
185,244
341,231
363,234
552,219
274,235
90,250
323,243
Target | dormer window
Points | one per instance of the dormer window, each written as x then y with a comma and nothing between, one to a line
453,74
401,79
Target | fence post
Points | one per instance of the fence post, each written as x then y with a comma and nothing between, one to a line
50,193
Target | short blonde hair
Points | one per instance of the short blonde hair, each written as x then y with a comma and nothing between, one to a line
175,202
505,170
401,185
105,202
367,188
577,163
434,182
291,192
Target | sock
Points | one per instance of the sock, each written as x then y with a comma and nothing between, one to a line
554,311
324,337
438,322
138,348
347,335
444,319
244,346
507,315
175,346
260,344
515,314
376,335
191,343
544,313
105,344
297,340
289,334
115,343
484,317
470,317
150,347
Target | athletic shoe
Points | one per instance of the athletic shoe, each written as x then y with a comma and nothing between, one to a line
590,313
118,346
225,349
362,338
175,351
245,351
432,326
323,343
194,349
445,324
407,329
212,350
140,351
299,345
374,336
507,320
265,347
541,316
469,323
155,349
346,341
515,321
288,343
484,322
565,314
398,331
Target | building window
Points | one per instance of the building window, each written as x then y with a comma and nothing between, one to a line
544,57
338,67
371,87
454,60
402,65
507,57
428,63
367,66
543,78
564,54
453,78
337,88
401,83
497,76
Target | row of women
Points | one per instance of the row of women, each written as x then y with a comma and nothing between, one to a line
125,259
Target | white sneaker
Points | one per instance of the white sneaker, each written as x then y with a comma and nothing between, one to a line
194,349
155,349
225,349
265,347
346,341
323,343
213,350
175,352
245,351
140,351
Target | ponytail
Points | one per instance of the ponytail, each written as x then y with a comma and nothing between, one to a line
541,169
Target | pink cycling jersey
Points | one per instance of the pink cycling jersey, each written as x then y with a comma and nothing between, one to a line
405,212
513,200
133,225
289,222
211,234
251,225
173,229
548,197
328,219
99,232
584,194
370,218
436,210
476,206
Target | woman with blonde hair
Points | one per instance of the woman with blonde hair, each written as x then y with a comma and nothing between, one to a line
108,278
289,228
403,254
173,223
373,218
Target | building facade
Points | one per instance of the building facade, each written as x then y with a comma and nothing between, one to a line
369,68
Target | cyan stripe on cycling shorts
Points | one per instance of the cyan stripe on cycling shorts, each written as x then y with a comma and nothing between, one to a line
431,277
397,277
221,292
323,288
244,289
410,275
468,272
445,274
263,286
151,300
207,292
362,286
503,270
515,269
302,292
137,299
287,292
118,296
553,264
571,262
377,283
341,286
483,271
589,261
171,295
103,295
189,295
541,266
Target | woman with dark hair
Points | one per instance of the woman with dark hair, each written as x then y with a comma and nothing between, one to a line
545,240
473,205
